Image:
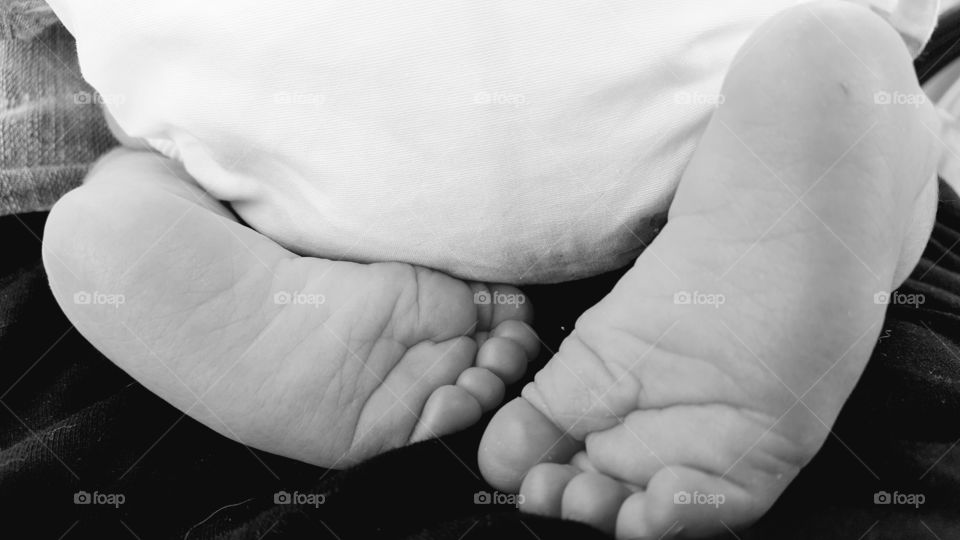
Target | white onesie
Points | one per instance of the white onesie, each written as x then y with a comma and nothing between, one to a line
505,140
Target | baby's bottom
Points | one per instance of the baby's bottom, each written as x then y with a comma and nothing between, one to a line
686,400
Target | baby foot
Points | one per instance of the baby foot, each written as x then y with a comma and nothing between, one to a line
324,361
687,399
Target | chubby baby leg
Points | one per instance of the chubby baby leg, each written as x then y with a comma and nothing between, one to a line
687,400
324,361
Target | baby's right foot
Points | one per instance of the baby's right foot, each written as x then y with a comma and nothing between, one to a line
326,362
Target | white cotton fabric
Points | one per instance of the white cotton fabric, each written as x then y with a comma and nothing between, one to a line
504,140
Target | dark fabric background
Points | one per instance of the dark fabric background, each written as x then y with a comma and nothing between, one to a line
71,421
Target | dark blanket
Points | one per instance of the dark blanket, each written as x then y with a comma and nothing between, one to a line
87,452
74,428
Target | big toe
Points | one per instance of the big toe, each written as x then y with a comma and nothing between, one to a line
519,437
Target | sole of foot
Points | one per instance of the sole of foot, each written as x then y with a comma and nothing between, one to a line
686,400
327,362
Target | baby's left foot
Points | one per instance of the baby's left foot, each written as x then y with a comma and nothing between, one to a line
687,400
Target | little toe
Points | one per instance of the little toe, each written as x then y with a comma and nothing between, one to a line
581,461
685,502
504,357
449,409
521,333
542,488
594,499
484,386
517,438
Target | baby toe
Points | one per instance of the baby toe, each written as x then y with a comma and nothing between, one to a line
581,461
487,388
448,409
504,357
542,488
522,334
594,499
517,438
